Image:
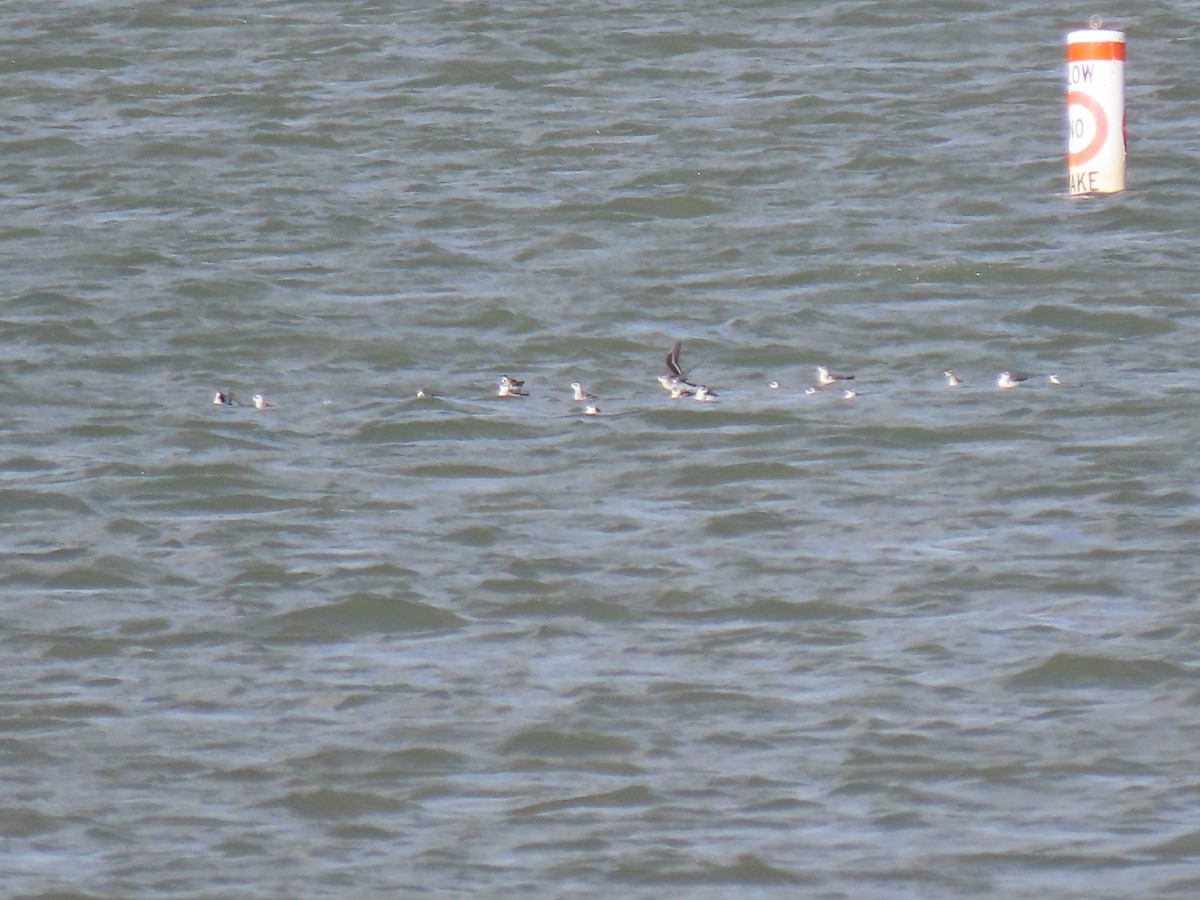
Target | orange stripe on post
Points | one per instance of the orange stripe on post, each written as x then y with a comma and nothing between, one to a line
1090,51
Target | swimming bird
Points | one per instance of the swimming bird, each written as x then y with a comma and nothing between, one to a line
774,385
1006,381
674,368
1053,379
580,394
591,410
809,391
850,394
703,394
511,387
226,399
952,380
260,402
679,391
824,376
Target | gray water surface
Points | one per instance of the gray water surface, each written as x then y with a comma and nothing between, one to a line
928,642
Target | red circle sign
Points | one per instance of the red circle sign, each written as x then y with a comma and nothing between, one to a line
1092,105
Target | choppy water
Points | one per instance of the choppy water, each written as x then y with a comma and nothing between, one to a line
926,643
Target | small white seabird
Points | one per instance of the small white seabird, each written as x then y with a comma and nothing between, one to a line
774,385
591,409
703,394
1006,381
677,373
824,376
226,398
1053,379
510,387
678,392
810,391
580,394
952,380
421,395
849,394
260,402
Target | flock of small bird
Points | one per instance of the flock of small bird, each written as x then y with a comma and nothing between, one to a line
675,382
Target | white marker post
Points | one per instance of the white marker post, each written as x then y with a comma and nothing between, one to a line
1096,111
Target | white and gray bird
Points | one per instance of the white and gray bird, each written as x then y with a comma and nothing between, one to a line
226,398
511,387
825,377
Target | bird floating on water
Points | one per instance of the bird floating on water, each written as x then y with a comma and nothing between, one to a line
580,394
511,387
226,398
825,377
1006,381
